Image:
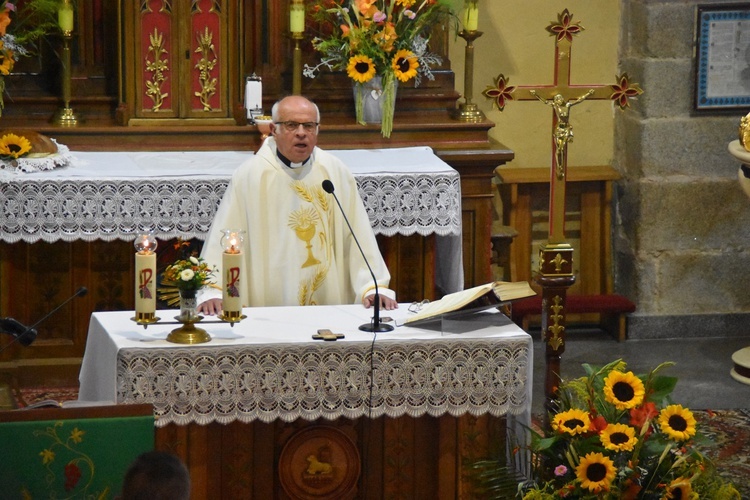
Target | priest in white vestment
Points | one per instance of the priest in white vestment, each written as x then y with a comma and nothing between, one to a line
298,249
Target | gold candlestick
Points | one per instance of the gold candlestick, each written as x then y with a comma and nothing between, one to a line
297,64
297,30
66,19
468,111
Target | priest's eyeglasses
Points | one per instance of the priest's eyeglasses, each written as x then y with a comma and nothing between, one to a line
290,126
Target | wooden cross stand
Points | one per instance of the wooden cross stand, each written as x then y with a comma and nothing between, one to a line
555,273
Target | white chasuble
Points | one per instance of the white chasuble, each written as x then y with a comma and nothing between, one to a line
298,249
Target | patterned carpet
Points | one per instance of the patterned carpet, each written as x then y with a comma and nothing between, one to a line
727,430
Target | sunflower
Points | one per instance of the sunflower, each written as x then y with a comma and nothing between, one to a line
596,472
573,421
678,489
7,60
405,65
624,390
14,146
677,422
361,68
618,437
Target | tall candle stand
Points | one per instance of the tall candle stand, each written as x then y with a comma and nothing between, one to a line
297,63
65,115
297,31
468,111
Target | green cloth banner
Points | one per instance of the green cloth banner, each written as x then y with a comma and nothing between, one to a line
66,459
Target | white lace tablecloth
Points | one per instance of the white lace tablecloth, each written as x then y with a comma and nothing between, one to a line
267,367
116,195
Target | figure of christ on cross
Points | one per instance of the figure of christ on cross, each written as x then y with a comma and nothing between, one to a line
564,130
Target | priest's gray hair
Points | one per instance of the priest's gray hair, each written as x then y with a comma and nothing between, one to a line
275,109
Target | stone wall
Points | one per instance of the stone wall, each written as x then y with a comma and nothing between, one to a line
681,220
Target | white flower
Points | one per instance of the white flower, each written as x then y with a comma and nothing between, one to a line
194,260
187,274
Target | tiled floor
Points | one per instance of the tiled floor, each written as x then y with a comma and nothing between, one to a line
702,365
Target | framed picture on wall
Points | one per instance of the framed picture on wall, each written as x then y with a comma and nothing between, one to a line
722,57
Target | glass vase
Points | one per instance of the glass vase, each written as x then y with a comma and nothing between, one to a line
375,102
188,306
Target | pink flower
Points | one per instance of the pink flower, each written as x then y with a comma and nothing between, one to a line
379,17
410,14
561,470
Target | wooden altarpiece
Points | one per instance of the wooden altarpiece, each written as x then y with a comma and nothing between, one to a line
115,94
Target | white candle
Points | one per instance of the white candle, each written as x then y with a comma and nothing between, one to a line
231,267
471,16
145,276
253,94
297,17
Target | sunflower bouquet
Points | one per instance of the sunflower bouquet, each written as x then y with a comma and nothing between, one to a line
377,39
618,435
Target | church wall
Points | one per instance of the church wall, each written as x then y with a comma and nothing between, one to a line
681,235
515,43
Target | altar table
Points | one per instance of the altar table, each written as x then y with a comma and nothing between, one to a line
268,367
117,195
416,404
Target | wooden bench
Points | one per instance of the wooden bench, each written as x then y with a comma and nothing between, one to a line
612,309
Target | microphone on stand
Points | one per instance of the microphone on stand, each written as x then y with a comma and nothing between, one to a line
375,325
25,335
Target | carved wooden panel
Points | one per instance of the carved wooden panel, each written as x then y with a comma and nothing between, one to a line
178,64
399,458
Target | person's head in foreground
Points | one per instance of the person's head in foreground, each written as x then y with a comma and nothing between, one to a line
156,475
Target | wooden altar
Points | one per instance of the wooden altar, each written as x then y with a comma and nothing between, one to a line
245,410
36,277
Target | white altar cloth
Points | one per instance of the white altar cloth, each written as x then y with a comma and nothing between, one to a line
267,367
116,195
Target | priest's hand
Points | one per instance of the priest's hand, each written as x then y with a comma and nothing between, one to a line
211,307
386,303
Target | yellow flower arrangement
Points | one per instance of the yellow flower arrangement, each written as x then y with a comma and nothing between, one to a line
20,28
378,38
615,435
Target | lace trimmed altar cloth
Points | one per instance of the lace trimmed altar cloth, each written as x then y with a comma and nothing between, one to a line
116,195
267,367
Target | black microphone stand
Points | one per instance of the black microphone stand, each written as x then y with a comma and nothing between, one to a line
30,332
375,325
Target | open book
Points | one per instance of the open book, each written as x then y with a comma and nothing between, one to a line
473,299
